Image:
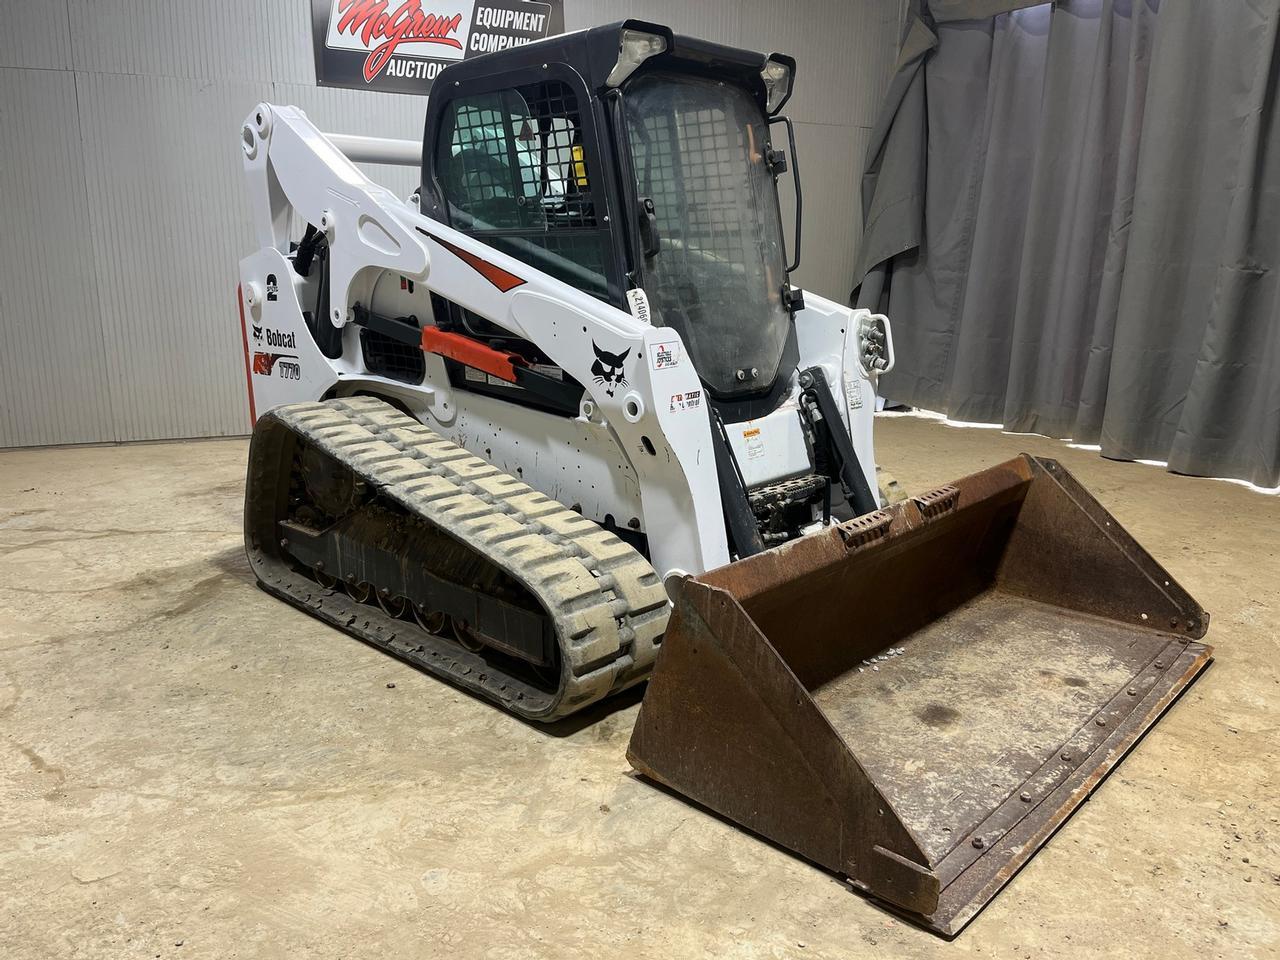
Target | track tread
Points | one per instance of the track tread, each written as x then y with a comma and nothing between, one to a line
606,601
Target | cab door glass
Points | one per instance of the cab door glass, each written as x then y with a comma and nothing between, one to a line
514,169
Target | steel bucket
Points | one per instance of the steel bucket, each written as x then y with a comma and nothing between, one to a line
917,699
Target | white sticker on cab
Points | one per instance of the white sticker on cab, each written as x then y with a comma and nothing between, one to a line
690,400
639,303
853,392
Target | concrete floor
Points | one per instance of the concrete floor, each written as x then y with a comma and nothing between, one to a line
189,768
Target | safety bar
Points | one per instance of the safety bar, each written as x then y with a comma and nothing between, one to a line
407,153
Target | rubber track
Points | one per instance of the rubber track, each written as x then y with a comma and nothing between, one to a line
606,601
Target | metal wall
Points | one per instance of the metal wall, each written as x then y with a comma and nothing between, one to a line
123,216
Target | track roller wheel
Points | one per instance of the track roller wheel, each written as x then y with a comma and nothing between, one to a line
430,620
467,637
393,606
359,592
324,579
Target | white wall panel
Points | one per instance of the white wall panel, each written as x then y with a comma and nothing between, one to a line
717,20
125,212
289,27
35,34
53,375
169,222
226,39
832,221
844,53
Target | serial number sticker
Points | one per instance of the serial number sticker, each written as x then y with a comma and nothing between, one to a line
665,355
638,301
690,400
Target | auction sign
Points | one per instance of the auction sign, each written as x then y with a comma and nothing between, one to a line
401,45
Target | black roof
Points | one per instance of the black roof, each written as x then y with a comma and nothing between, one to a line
594,52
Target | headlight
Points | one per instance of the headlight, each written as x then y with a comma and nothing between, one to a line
777,84
636,47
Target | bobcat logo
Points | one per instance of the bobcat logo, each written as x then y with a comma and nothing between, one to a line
257,334
608,368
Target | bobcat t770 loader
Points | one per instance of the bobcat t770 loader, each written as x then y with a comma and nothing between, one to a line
559,423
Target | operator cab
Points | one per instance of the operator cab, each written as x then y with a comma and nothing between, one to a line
622,158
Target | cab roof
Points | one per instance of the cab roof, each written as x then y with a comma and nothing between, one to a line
594,52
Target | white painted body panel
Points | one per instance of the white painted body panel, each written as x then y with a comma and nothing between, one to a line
771,448
829,336
640,451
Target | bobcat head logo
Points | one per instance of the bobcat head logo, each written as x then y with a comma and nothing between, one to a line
257,334
608,368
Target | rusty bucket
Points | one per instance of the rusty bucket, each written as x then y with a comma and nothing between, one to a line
917,699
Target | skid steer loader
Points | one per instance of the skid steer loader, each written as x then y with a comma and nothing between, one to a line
563,410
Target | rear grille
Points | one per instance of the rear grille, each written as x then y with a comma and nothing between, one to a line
392,359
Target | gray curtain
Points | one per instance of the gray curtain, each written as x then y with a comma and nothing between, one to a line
1073,220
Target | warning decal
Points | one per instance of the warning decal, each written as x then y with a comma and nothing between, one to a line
664,356
689,400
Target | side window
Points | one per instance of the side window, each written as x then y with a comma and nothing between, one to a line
488,172
514,169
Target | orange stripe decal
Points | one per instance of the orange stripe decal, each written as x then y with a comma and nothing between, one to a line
500,278
244,339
